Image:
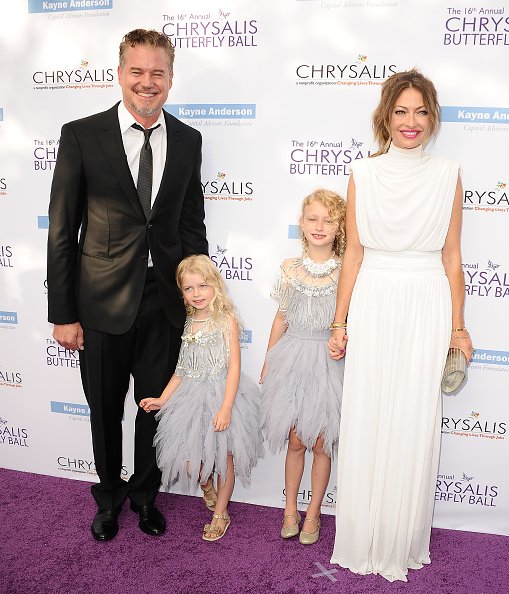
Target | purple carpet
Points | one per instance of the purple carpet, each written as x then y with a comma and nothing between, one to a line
46,547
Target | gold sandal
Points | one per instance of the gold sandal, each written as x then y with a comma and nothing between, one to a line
216,531
209,494
308,538
293,530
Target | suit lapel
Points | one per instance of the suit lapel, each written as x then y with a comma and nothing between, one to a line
173,160
110,140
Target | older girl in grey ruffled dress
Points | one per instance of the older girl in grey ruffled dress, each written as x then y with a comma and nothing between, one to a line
301,385
209,417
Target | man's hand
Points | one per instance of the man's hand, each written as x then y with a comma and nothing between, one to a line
70,336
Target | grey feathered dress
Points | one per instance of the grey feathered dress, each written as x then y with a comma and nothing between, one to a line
187,447
302,386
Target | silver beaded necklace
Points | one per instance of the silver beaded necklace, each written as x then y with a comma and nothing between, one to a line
319,269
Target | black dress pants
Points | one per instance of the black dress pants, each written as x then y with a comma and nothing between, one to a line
148,352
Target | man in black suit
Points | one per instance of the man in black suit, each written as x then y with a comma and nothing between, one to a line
118,228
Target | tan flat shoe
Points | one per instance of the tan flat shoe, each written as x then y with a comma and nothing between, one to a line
216,531
209,494
308,538
293,530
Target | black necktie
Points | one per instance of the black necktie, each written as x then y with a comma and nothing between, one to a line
144,185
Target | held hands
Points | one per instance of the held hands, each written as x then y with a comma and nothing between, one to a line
337,343
222,419
461,339
148,404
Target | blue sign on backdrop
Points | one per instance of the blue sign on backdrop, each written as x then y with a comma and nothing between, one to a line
48,7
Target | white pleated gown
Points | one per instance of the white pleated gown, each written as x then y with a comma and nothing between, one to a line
399,327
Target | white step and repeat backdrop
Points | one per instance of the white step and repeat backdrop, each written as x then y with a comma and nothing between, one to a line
282,92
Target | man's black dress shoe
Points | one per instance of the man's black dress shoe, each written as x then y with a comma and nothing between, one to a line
151,519
105,525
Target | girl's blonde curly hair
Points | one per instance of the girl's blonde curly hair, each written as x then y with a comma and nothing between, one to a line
221,303
336,207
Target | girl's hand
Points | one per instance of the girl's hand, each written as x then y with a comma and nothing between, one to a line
461,340
222,419
148,404
337,343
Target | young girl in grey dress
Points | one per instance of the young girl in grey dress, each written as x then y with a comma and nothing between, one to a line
301,385
209,415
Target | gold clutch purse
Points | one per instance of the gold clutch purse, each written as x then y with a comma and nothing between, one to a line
455,371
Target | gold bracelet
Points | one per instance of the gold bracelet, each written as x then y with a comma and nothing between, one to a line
337,326
458,329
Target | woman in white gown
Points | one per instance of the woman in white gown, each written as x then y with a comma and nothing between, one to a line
402,286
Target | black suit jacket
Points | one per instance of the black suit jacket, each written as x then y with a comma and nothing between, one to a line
98,280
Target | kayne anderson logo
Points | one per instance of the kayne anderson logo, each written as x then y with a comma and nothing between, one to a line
476,26
246,338
80,76
474,425
325,157
69,408
490,280
214,114
210,30
43,223
477,119
491,357
38,6
223,187
495,199
293,232
490,360
358,72
465,489
8,319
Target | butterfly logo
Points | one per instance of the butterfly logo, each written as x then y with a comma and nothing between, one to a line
474,415
501,186
466,478
356,144
223,14
492,266
84,63
221,175
361,58
2,421
220,250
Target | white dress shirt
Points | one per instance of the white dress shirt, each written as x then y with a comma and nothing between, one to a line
133,141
